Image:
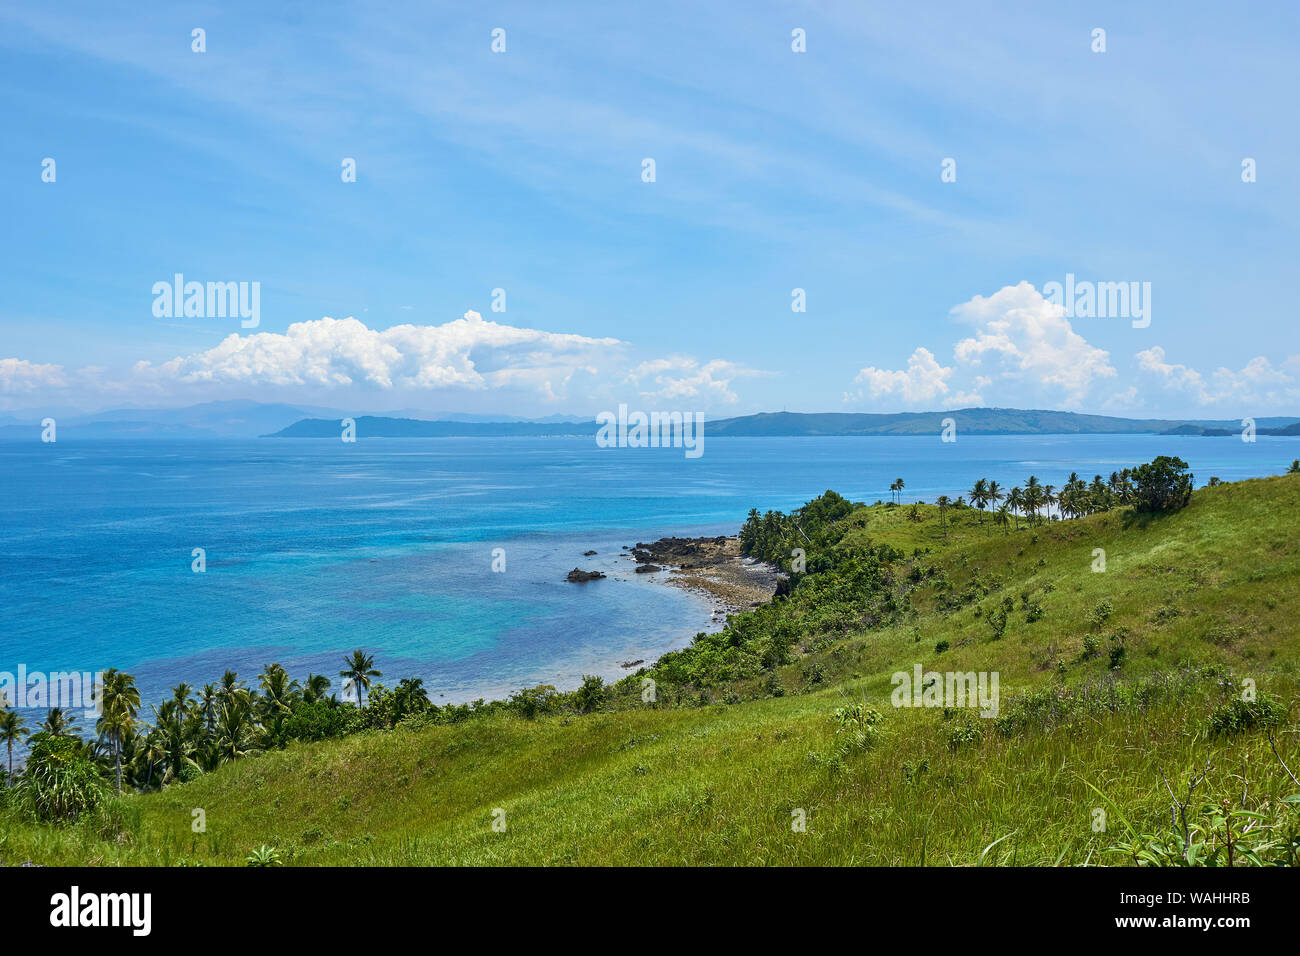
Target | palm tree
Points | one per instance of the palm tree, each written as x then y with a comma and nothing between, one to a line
279,693
314,688
208,698
1295,468
58,723
1033,498
118,707
234,730
410,696
358,669
1049,498
12,728
943,502
1076,502
979,496
233,688
995,493
1100,494
1003,516
1015,501
1126,486
153,754
177,741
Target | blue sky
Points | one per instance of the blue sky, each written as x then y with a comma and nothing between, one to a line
774,170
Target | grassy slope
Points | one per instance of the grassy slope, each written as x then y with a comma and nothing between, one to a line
718,784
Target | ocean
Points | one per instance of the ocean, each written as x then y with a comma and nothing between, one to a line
315,547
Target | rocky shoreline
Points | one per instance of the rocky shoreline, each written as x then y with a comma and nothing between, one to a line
712,566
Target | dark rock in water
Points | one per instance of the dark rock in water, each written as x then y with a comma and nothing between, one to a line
686,553
647,568
587,554
579,576
628,664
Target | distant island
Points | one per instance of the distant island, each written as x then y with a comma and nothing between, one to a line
1208,432
970,421
373,426
250,419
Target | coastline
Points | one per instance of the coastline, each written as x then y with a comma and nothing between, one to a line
709,566
395,552
714,567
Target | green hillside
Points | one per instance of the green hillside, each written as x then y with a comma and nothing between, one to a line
1116,687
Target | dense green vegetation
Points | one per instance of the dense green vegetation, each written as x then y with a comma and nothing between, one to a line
1144,638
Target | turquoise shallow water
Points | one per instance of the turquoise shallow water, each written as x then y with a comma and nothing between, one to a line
315,547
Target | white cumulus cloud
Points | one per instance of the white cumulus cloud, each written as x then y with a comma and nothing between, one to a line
1025,339
1023,346
1256,383
19,375
468,352
922,380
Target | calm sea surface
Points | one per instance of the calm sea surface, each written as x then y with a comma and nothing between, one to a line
316,547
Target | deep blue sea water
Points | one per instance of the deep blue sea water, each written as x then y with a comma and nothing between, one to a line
316,547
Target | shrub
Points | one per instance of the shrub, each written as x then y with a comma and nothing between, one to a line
965,731
1219,834
1101,614
531,702
60,783
321,720
591,694
857,727
1238,715
998,621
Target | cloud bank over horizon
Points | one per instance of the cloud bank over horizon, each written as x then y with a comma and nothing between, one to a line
1021,351
1026,353
344,360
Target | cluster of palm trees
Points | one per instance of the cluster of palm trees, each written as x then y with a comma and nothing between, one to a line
194,732
896,489
1035,501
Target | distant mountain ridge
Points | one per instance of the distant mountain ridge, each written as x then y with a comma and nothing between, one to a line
373,426
209,420
249,419
970,421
